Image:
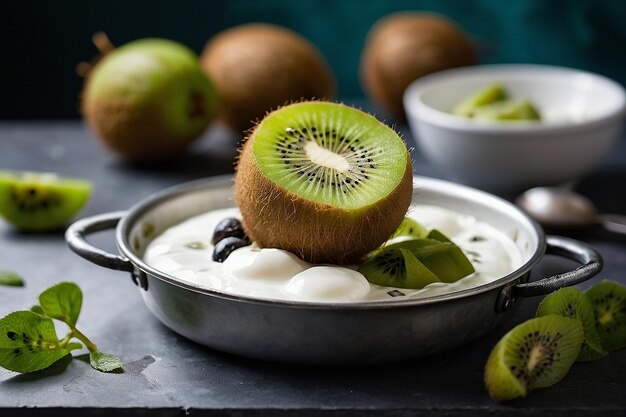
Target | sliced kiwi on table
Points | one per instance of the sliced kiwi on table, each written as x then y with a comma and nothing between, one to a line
410,228
396,266
571,302
324,181
36,202
482,97
608,300
535,354
507,110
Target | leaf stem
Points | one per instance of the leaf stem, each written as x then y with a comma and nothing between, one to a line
80,336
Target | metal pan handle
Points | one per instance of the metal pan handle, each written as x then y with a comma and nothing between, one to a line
75,237
590,264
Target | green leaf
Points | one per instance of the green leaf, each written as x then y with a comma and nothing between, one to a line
38,310
11,279
62,301
105,362
28,342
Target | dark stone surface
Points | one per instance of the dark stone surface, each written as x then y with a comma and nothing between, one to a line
169,375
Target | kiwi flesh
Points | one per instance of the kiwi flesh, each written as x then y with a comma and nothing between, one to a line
324,181
148,99
487,95
396,267
410,228
434,261
535,354
571,302
35,202
258,67
507,110
609,304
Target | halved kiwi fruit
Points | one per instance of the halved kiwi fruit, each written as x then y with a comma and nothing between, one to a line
40,201
324,181
487,95
609,304
571,302
535,354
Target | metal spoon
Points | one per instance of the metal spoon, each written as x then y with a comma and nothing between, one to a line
562,208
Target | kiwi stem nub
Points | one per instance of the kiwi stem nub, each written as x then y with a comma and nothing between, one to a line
104,46
102,42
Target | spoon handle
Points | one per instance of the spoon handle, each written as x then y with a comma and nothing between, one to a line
615,223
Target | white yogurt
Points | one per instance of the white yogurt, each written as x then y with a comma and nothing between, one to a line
184,251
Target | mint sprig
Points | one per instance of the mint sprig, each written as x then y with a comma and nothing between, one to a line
11,279
28,339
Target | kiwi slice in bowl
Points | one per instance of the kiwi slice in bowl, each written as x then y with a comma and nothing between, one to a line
430,260
398,267
324,181
487,95
507,111
608,300
451,265
535,354
571,302
410,228
35,202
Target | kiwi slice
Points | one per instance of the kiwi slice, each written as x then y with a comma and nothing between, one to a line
609,304
396,266
324,181
487,95
40,201
571,302
535,354
391,266
410,228
451,265
507,110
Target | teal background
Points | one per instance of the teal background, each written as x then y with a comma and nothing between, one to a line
43,41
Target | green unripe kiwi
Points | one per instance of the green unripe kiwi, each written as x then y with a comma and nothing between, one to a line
148,99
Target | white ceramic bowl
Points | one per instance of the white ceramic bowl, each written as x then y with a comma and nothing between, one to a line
582,117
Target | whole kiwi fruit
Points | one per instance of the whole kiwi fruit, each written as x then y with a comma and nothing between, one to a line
404,46
148,99
324,181
257,67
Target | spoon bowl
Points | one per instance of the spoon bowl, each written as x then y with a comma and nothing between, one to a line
560,208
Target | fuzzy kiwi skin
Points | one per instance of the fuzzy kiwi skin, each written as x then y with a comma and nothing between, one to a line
404,46
318,233
259,67
148,99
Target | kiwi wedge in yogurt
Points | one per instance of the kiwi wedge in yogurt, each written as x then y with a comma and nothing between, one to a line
417,261
494,103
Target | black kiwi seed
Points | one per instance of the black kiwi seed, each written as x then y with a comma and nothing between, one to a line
230,227
226,246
